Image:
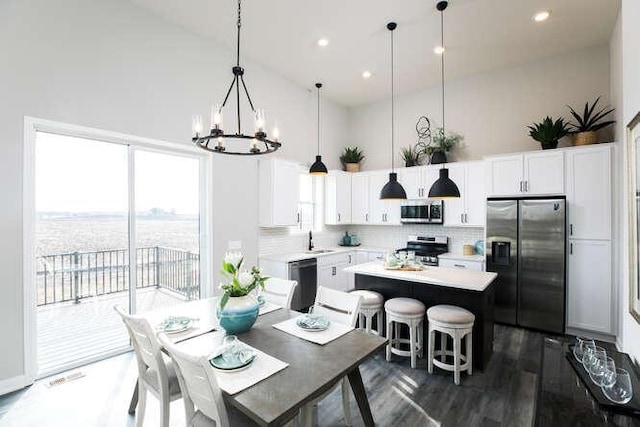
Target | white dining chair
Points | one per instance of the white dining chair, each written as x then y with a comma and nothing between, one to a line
203,402
279,291
155,374
339,307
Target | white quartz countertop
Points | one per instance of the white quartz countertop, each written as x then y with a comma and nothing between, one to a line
297,256
440,276
461,257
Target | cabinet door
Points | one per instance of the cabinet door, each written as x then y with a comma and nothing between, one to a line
430,174
589,192
360,198
375,256
411,180
285,193
378,208
454,208
544,173
589,285
338,198
504,175
475,195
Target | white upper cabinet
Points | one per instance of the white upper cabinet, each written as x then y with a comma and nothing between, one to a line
589,192
469,209
360,198
383,212
530,174
279,193
338,198
417,180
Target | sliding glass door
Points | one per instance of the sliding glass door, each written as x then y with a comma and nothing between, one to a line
116,223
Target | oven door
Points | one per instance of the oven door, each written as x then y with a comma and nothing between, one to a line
414,213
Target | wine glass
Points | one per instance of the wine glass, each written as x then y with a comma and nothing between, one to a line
621,391
578,349
589,354
609,374
597,366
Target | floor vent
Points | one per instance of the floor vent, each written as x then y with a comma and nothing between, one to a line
63,380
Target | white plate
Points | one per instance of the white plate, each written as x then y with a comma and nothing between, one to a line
175,325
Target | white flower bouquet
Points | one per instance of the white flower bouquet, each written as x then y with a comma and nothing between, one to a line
239,281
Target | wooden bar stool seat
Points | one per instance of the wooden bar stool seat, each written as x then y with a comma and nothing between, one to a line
370,306
456,322
410,312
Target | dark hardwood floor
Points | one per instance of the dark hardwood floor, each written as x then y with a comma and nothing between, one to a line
503,395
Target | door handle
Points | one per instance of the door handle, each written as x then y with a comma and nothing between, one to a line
349,259
465,218
462,218
526,186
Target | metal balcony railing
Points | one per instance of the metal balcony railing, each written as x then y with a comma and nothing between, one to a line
77,275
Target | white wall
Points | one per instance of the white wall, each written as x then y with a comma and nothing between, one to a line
625,44
114,66
490,110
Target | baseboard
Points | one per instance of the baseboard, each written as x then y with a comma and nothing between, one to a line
13,384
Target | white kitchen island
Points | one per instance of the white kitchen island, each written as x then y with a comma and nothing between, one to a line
472,290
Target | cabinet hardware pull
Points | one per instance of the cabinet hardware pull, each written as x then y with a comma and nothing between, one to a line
349,259
570,229
333,271
526,186
338,217
570,248
366,217
298,220
521,186
461,217
466,220
460,266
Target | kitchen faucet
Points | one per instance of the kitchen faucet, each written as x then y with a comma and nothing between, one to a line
310,241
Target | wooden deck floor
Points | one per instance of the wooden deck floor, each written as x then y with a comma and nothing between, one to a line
72,334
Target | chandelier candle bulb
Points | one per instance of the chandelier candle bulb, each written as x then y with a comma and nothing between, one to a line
196,125
260,121
276,133
216,117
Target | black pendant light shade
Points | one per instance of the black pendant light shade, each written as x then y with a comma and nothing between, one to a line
318,168
444,187
392,190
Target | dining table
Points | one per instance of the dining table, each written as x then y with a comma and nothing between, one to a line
312,370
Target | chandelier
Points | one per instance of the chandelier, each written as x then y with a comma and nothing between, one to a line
215,140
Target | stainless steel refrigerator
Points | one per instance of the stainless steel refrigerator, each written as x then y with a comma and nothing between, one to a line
525,245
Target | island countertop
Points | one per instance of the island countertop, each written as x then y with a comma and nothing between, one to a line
440,276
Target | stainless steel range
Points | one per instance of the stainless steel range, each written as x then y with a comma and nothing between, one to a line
427,248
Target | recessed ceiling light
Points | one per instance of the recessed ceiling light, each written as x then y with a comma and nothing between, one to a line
323,42
541,16
366,74
438,50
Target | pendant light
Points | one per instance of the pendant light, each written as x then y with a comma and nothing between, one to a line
318,168
444,187
392,190
245,144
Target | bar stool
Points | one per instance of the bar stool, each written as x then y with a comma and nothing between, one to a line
370,306
456,322
411,313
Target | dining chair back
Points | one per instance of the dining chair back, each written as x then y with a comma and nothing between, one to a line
338,306
153,373
279,291
199,385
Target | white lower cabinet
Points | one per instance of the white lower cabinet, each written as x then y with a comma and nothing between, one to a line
331,272
462,263
589,290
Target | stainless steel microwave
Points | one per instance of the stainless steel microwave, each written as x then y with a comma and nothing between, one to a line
422,212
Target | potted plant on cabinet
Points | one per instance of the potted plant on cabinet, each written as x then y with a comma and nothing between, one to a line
351,158
585,126
548,132
441,144
411,155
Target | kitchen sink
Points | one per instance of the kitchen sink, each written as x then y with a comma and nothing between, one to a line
320,251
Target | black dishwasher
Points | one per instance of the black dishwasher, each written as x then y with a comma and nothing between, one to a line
305,273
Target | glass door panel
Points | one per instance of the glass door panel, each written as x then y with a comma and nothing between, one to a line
167,231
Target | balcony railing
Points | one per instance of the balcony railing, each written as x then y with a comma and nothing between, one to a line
77,275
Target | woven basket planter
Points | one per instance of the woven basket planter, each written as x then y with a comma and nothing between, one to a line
353,167
584,138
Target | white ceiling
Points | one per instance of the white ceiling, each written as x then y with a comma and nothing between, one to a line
480,35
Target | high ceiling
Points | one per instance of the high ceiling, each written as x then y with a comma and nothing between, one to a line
480,35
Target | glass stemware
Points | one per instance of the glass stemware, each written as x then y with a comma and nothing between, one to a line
609,374
621,391
589,355
597,366
579,347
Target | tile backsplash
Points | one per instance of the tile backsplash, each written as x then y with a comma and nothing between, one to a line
285,240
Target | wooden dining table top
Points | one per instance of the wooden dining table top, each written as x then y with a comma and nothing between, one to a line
313,369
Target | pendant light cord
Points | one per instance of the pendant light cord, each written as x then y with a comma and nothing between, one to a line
318,85
392,105
239,25
442,64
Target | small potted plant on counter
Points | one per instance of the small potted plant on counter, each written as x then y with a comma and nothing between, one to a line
585,126
411,155
351,158
441,144
548,132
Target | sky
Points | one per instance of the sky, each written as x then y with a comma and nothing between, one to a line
81,175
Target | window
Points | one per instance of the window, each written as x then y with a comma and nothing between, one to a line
310,203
